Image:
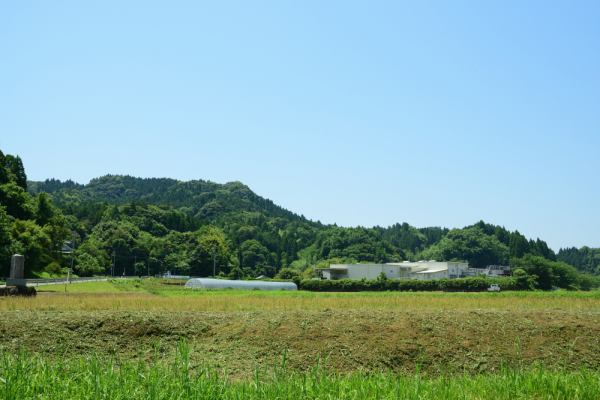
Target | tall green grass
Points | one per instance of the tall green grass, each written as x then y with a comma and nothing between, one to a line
24,376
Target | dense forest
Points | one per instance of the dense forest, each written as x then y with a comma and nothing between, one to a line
126,225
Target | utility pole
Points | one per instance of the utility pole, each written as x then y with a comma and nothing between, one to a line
72,256
112,269
214,256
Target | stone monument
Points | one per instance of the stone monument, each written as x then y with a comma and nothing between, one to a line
17,271
16,284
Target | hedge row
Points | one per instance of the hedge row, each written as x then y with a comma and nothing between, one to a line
474,284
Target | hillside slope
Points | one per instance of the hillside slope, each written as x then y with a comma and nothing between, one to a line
158,224
202,199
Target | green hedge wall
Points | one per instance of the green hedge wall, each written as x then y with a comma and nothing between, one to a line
474,284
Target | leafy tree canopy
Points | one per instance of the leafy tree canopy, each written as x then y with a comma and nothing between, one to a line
469,244
122,224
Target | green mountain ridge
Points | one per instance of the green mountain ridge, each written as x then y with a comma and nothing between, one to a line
244,215
204,199
120,224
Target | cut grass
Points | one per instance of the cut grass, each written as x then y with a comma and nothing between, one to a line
378,333
435,342
247,301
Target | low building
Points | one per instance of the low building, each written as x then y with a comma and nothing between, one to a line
422,270
497,270
490,271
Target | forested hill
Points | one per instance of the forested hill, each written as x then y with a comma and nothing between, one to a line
201,199
160,221
127,225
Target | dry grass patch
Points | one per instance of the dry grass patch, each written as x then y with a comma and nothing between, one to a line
182,300
240,331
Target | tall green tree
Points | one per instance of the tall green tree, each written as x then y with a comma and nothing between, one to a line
253,254
6,245
88,265
471,245
212,251
30,240
16,200
16,169
585,259
44,209
548,273
518,245
4,176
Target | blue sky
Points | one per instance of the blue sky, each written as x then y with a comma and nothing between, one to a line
359,113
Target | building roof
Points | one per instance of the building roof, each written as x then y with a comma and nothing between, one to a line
433,270
334,267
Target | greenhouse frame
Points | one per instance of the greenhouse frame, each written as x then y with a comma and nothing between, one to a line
213,284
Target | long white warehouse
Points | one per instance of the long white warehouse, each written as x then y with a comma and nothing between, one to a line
422,270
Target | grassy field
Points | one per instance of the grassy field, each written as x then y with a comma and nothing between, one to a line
368,345
154,294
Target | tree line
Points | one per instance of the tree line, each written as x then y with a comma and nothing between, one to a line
126,225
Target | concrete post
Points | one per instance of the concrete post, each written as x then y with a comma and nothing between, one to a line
17,266
17,271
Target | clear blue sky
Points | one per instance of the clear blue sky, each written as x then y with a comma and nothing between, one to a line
360,113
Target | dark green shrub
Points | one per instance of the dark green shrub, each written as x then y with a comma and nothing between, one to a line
473,284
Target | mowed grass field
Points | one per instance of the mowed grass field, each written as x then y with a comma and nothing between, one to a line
150,335
154,294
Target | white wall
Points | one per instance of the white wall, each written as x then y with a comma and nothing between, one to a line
398,270
366,271
432,275
457,269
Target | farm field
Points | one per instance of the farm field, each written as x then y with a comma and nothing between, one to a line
516,342
155,294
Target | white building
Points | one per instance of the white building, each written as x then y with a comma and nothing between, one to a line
405,270
491,271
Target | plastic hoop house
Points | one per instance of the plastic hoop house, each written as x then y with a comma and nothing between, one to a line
214,284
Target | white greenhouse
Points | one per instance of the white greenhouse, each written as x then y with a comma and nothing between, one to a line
208,283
